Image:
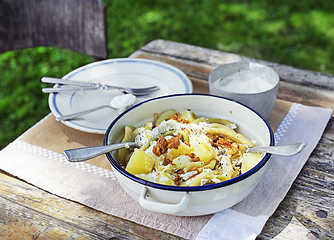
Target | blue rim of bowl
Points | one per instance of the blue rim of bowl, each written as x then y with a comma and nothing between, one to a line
194,188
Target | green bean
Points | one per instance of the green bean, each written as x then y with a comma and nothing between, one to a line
213,120
184,135
220,129
127,138
211,164
220,121
188,115
192,165
165,115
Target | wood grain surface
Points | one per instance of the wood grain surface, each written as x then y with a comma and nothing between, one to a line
79,25
27,212
307,212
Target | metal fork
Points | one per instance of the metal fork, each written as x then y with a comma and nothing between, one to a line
93,86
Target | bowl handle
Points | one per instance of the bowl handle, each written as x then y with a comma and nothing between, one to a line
163,207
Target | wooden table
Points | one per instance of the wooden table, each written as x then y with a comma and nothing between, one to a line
307,212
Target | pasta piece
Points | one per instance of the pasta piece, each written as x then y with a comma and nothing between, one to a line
215,120
165,115
158,166
222,178
230,133
181,161
211,165
196,181
169,168
193,165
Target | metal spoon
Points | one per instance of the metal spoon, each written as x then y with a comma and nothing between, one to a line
118,102
284,150
83,154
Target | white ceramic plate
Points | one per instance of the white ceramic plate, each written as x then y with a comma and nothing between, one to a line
124,72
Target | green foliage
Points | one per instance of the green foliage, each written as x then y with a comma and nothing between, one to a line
22,103
295,33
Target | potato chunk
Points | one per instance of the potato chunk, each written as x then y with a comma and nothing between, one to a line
140,163
165,178
250,160
202,148
182,149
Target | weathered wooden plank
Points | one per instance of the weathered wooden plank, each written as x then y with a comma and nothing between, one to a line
315,184
191,69
190,53
215,58
310,200
28,211
198,65
302,77
315,187
322,157
329,131
292,215
79,25
306,95
309,204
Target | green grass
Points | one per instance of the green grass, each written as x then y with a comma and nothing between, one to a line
300,34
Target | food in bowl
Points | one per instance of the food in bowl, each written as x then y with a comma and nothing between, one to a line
181,149
190,200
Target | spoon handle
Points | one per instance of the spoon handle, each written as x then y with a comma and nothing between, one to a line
284,150
83,154
78,114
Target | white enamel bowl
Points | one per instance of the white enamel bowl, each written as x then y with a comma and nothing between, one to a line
191,201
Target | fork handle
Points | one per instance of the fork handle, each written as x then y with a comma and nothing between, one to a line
83,154
67,89
68,82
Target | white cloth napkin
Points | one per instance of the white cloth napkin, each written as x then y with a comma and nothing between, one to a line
98,188
246,219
